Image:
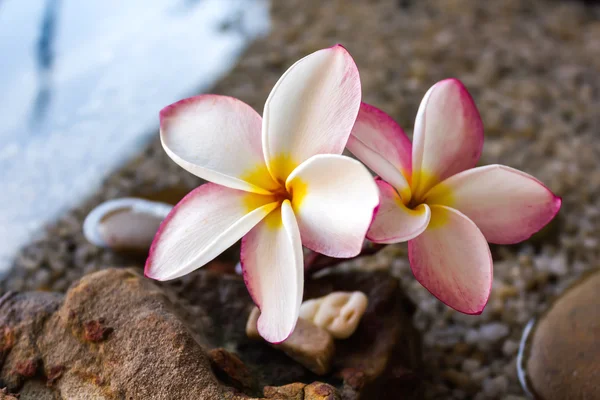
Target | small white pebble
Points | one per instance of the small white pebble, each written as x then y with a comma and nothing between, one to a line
339,312
493,332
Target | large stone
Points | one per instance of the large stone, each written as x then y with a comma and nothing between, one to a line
381,360
117,335
563,356
114,335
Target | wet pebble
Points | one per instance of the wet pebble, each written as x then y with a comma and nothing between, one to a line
562,352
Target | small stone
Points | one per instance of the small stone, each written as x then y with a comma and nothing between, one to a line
232,368
339,312
495,387
510,348
320,391
457,378
308,345
493,332
564,348
291,391
4,395
126,224
470,365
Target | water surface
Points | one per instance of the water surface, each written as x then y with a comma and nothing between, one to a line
81,85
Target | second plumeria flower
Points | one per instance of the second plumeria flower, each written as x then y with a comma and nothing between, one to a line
434,198
279,182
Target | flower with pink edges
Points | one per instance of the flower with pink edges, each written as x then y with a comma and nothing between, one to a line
276,182
434,197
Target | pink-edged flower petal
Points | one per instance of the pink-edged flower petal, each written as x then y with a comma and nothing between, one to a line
334,198
272,265
379,142
201,226
448,136
311,110
452,260
507,205
217,138
394,222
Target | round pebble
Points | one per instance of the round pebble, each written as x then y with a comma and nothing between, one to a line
562,352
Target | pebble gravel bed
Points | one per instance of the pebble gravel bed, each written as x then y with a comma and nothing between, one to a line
532,67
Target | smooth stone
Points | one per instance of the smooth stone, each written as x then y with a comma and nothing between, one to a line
126,224
338,313
308,345
562,352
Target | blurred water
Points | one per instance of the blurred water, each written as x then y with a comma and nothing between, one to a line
81,84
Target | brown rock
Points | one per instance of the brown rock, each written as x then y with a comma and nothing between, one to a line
231,369
381,360
4,395
117,335
564,349
150,354
302,391
320,391
309,345
292,391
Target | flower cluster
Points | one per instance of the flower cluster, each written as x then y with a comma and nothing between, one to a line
280,182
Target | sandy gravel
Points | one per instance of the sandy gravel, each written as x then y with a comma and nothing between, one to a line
532,67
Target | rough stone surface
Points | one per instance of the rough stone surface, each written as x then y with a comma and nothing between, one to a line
148,354
563,359
117,335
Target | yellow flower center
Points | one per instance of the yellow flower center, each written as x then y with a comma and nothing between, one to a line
425,189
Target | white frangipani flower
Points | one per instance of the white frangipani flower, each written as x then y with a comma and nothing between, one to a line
434,197
279,182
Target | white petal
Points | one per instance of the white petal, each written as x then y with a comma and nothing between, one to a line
217,138
507,205
448,135
379,142
334,198
453,261
394,222
273,270
311,110
201,226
